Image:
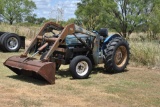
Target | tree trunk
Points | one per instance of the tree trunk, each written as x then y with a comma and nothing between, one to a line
11,21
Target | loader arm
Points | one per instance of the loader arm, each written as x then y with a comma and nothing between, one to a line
69,29
40,34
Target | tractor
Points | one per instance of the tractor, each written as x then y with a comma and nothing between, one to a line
74,46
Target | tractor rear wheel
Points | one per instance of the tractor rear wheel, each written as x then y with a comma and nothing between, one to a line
80,67
116,55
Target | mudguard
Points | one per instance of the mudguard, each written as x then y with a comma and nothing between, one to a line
109,38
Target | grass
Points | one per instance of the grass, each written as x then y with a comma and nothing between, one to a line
28,31
145,53
137,87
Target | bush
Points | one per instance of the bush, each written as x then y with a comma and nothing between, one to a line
145,53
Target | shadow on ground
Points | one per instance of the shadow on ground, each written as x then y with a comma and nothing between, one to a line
64,73
97,70
60,74
39,81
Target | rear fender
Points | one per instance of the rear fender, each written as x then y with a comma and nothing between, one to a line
108,39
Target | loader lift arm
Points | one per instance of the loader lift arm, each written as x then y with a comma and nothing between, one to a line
68,30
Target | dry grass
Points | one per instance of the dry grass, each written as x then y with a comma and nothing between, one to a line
137,87
28,32
146,53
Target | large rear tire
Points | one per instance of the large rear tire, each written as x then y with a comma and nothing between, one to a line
80,67
116,55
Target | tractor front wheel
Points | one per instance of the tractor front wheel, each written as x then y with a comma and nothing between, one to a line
80,67
116,55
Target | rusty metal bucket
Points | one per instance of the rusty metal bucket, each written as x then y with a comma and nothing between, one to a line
31,66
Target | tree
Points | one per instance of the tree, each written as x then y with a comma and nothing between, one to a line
69,21
124,16
40,20
34,20
1,7
87,13
153,22
1,10
31,18
16,10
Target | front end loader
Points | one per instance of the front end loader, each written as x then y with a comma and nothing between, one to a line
72,45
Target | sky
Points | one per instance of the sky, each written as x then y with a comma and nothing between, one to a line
52,8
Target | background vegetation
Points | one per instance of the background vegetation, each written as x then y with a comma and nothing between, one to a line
136,20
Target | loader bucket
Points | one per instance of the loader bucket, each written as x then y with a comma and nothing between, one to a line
31,66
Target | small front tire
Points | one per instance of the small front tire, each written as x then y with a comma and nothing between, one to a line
80,67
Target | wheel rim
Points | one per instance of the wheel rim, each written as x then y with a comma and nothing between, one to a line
12,43
82,68
120,57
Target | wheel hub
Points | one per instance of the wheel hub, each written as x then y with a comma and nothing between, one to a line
82,68
12,43
120,56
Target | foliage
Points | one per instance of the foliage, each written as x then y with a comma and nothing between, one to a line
87,13
69,21
1,10
34,20
153,22
40,20
31,18
124,16
16,10
1,7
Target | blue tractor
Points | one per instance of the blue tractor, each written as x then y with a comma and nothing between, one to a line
72,45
